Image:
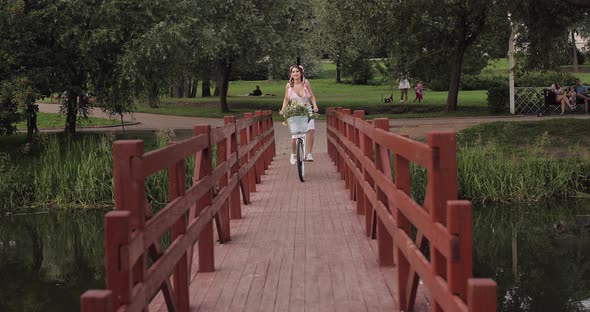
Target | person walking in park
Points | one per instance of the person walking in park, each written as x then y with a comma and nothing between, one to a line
419,90
298,90
404,86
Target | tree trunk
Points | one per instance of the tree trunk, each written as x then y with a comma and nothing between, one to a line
225,72
206,87
216,90
338,73
71,106
154,95
179,87
32,129
194,85
575,50
455,78
187,88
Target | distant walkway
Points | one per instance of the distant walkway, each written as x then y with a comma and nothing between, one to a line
416,128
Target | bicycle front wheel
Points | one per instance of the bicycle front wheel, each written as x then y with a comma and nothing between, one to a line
300,160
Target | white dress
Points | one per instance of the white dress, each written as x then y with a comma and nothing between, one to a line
294,97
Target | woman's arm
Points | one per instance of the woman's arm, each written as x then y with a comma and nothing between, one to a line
313,100
285,99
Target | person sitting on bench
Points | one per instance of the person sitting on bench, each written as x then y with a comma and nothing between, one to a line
256,92
582,93
561,97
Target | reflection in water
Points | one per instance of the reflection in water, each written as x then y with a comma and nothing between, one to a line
50,260
539,256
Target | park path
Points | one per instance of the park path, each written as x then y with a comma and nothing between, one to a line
416,128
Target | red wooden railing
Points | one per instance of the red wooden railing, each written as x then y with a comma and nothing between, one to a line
362,152
132,233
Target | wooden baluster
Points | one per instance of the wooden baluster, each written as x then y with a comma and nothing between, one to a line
96,301
245,180
176,188
203,169
252,172
442,186
384,238
482,295
223,182
235,209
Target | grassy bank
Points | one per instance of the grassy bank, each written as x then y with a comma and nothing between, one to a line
497,162
57,121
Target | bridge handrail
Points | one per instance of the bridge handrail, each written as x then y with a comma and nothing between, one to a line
132,233
361,151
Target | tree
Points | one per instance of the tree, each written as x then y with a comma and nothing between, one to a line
249,32
344,34
438,34
25,65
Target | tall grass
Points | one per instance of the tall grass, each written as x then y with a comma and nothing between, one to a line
13,188
79,173
74,172
487,173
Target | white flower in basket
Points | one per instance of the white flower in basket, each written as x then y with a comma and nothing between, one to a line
298,116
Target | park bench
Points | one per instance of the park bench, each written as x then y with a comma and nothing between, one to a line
549,101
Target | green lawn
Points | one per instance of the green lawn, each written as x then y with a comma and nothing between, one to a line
57,121
328,94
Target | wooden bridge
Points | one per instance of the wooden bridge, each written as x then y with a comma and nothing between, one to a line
267,242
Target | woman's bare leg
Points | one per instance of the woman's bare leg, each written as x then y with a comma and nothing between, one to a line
309,141
293,146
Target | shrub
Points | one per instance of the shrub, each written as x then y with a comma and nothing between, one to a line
498,99
543,79
478,82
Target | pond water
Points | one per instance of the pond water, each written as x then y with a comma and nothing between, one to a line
540,257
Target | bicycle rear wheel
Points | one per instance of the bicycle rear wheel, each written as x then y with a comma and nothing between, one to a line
300,160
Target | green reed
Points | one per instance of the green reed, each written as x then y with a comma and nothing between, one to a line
79,173
74,172
488,173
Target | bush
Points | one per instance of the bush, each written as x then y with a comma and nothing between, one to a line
498,99
361,71
543,79
478,82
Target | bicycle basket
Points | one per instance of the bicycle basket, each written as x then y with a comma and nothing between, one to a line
298,124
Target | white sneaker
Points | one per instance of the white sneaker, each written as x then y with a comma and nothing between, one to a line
293,159
309,157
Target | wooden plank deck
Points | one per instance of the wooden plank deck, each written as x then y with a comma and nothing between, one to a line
298,247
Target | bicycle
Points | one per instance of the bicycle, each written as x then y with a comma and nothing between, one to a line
298,127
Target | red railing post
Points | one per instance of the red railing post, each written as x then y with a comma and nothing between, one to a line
382,162
203,169
235,209
359,194
265,155
482,295
340,163
176,188
252,172
442,186
272,151
97,301
459,225
367,149
329,133
258,135
345,138
244,161
128,217
222,149
403,183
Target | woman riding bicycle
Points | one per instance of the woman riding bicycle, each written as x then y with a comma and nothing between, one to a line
298,90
